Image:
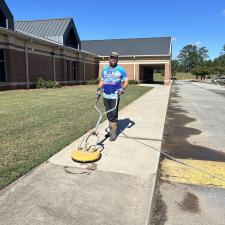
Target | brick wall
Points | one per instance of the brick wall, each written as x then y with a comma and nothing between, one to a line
167,76
91,71
59,69
15,66
40,66
129,69
80,71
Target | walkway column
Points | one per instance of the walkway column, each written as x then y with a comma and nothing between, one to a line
167,76
134,69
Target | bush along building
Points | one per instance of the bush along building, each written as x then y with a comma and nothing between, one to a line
52,49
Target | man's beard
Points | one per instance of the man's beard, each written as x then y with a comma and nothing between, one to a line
113,64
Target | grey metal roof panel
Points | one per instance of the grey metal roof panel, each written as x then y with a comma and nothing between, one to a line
131,46
49,28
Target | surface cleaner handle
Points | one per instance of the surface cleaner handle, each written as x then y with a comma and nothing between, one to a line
96,103
97,97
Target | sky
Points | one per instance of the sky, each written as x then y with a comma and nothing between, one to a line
199,22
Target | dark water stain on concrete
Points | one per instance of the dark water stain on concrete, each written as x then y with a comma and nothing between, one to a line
190,203
159,208
76,171
176,133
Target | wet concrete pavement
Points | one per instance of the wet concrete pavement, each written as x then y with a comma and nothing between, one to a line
194,129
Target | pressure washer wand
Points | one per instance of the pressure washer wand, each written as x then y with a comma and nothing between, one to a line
100,117
94,131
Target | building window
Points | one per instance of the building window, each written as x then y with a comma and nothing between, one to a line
68,69
2,19
74,74
71,40
2,66
71,70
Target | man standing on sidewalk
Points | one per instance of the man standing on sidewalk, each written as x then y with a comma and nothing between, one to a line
113,83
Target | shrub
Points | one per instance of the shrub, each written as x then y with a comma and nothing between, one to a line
133,82
96,81
93,82
41,83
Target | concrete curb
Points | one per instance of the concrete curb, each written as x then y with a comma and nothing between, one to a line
157,173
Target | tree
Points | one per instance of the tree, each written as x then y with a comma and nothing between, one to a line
219,65
204,69
223,51
191,56
202,53
175,66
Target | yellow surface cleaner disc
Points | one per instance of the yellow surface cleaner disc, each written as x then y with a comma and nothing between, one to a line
86,156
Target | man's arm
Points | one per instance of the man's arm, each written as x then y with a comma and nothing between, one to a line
100,84
125,84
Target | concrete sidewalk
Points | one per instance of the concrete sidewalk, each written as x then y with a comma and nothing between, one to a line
117,190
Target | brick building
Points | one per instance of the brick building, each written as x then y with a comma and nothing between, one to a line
42,48
139,56
52,49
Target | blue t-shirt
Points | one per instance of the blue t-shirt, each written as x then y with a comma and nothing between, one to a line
112,78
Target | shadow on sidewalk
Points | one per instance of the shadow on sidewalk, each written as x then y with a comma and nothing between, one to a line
122,125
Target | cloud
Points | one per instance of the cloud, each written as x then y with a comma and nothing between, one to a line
198,43
223,12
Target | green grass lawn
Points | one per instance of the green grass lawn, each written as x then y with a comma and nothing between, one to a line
35,124
185,76
158,77
179,76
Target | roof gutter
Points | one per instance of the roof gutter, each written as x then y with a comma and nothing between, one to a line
41,40
27,37
138,55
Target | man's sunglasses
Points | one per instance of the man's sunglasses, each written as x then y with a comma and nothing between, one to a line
113,57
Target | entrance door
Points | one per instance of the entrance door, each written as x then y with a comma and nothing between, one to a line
148,75
2,66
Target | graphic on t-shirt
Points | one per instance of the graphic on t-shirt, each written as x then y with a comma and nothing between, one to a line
112,78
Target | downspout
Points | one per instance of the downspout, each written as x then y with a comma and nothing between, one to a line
54,71
27,66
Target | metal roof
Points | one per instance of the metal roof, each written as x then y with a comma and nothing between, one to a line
155,46
51,29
